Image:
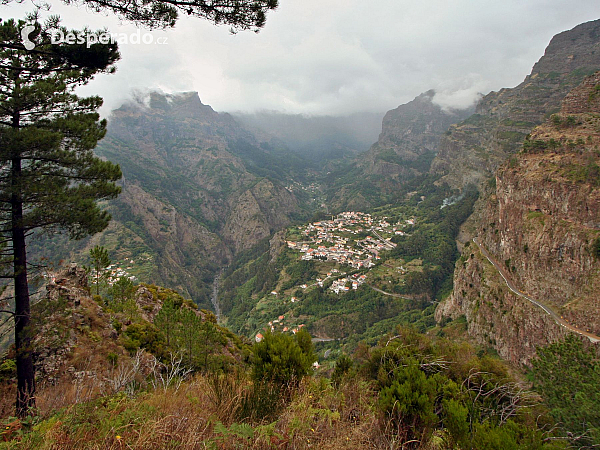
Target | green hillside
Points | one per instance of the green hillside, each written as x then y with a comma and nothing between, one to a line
366,273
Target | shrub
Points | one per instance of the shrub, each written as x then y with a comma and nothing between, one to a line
282,359
342,367
143,335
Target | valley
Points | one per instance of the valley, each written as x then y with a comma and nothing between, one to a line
426,278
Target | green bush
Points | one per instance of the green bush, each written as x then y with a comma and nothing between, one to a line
143,335
282,359
567,375
8,368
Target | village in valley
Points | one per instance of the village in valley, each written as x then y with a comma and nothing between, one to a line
348,245
351,238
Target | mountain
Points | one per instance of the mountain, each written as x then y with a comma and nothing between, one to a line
407,143
197,189
541,226
410,134
473,149
534,219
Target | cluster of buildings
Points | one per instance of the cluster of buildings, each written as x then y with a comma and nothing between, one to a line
332,240
312,187
278,324
346,283
114,272
351,238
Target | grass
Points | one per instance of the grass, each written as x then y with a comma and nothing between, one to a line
201,415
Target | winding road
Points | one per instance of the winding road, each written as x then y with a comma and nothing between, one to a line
559,320
388,293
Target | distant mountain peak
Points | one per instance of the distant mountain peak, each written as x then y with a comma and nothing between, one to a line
428,94
158,100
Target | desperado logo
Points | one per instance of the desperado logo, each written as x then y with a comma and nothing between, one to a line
25,32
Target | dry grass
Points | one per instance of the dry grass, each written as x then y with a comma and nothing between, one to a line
204,414
8,394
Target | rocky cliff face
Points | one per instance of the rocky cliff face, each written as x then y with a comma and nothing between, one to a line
408,142
543,224
197,188
257,212
475,148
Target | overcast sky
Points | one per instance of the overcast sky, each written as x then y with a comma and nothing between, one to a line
337,56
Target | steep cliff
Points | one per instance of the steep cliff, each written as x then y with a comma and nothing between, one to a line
197,188
542,226
406,146
258,212
409,132
472,150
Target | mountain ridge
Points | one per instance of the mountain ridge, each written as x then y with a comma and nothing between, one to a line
543,221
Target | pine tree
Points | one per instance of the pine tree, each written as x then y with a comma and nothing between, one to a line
50,179
100,261
281,359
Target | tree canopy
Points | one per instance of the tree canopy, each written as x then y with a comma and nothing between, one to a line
238,14
567,375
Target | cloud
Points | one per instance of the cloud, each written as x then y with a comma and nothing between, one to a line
460,93
339,56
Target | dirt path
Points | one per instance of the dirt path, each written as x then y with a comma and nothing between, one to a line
388,293
559,320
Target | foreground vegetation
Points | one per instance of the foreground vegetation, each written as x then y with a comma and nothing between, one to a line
409,391
141,367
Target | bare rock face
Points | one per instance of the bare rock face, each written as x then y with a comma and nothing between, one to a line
543,224
195,189
496,317
147,305
258,212
585,99
181,239
70,283
472,150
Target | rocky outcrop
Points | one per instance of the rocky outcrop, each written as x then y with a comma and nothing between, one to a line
81,342
472,150
73,332
257,213
194,191
543,224
408,141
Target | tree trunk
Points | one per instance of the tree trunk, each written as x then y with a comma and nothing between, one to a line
25,369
